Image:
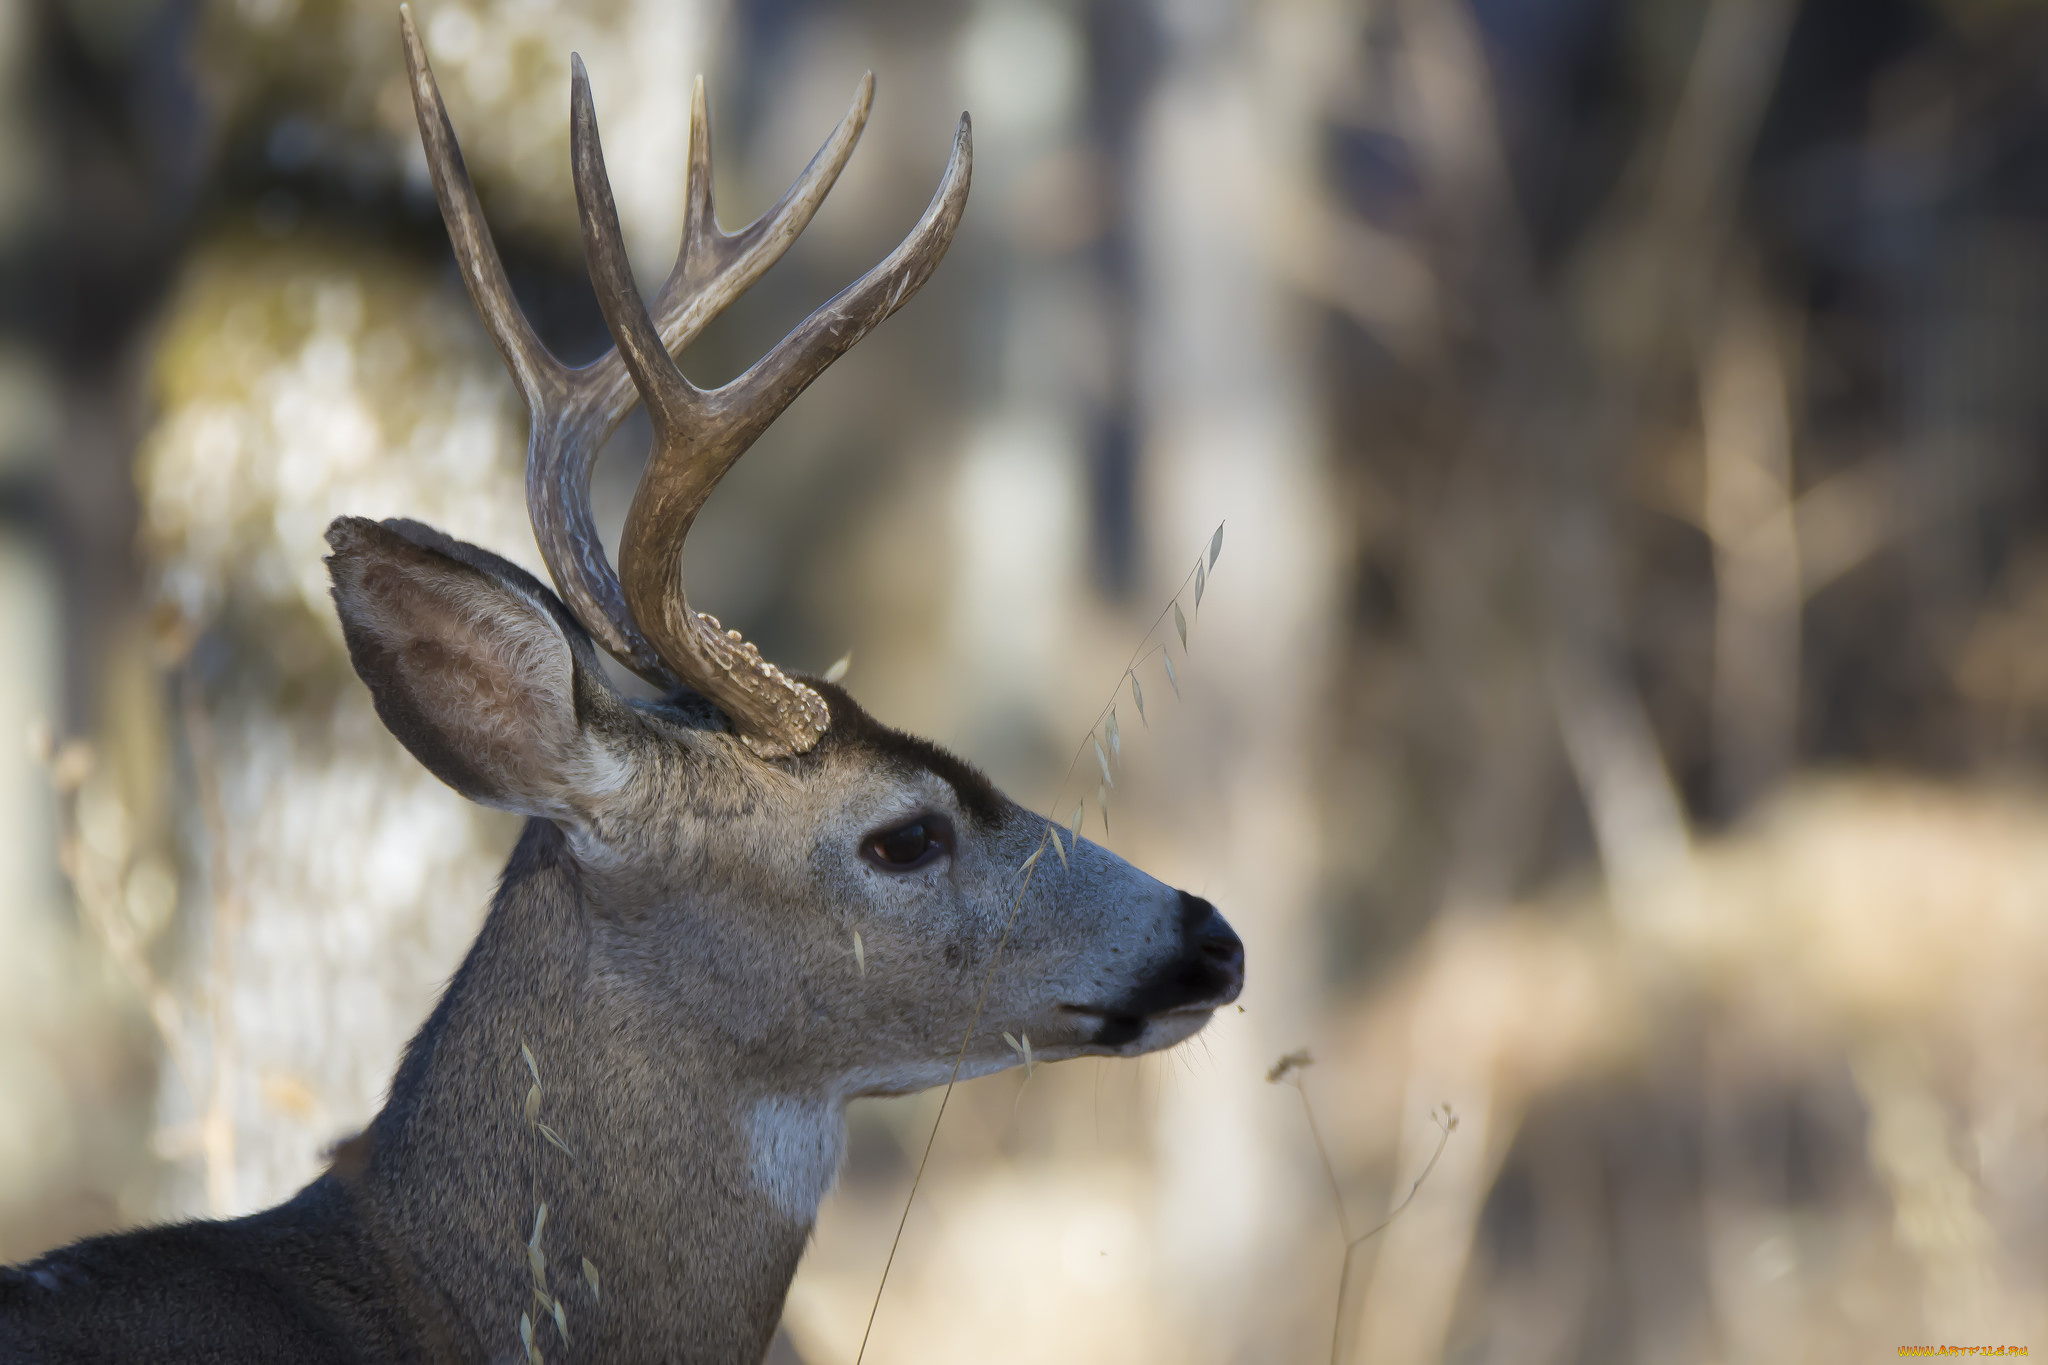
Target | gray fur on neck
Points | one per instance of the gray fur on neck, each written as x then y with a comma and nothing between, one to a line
661,1195
412,1247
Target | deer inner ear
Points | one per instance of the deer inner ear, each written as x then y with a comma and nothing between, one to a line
466,663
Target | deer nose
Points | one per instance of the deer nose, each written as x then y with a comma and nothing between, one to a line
1210,935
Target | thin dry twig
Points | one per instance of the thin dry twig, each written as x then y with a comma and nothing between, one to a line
1288,1071
217,1125
97,879
95,890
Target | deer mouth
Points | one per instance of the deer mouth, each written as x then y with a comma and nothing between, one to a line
1115,1029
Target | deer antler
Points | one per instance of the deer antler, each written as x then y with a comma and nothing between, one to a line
648,625
698,434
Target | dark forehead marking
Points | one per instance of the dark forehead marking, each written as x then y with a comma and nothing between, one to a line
854,728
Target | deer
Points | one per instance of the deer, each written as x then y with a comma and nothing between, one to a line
669,952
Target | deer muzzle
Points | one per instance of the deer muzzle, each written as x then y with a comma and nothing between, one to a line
1205,974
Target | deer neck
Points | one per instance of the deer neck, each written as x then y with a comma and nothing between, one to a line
690,1188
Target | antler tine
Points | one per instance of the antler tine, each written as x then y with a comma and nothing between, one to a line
759,396
713,267
539,375
680,477
698,435
673,402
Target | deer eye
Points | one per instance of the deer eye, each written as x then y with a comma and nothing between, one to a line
910,845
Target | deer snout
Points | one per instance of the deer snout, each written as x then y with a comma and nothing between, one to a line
1203,972
1215,945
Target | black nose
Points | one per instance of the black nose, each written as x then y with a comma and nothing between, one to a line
1211,936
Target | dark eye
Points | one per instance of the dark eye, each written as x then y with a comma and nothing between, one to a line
911,845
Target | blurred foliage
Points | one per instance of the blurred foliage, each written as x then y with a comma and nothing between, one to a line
314,80
297,382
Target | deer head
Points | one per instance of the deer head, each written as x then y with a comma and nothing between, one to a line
723,845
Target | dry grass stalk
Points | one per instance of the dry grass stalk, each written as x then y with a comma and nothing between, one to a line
536,1260
97,853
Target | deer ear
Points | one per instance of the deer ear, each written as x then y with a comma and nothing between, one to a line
472,664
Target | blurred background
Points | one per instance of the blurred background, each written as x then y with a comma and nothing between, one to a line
1619,711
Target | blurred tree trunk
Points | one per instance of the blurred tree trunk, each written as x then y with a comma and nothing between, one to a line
1229,432
334,882
1746,431
305,371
